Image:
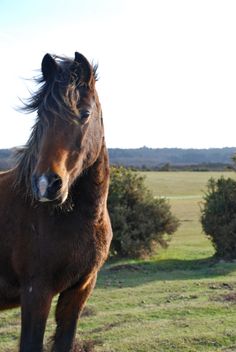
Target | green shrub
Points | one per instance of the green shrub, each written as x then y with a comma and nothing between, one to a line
140,223
218,216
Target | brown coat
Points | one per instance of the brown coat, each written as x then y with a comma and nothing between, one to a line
55,230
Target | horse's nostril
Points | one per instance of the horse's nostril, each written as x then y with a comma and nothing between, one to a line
54,183
53,179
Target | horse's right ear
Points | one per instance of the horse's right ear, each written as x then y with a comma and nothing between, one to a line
49,67
84,68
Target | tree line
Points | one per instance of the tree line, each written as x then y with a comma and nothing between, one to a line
173,158
161,159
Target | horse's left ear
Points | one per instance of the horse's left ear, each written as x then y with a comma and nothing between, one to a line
85,69
49,67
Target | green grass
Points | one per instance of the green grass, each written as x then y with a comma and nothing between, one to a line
180,300
185,191
186,183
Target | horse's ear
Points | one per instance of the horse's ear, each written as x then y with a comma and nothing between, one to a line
85,69
49,67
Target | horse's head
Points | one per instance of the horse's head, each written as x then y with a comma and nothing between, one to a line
68,134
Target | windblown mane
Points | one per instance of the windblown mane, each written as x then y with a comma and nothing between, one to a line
56,97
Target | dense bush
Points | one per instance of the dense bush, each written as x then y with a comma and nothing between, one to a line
219,216
140,222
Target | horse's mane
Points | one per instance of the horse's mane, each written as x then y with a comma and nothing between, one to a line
57,93
55,97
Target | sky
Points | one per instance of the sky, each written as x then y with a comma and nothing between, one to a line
167,68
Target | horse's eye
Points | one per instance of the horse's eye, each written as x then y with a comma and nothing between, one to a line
84,115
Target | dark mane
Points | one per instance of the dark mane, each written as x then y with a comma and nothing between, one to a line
26,158
59,89
56,97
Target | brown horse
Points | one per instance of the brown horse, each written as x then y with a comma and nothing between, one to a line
55,230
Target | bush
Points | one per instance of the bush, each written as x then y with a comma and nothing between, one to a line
140,223
219,216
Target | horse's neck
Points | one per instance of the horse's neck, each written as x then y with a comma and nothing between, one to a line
92,188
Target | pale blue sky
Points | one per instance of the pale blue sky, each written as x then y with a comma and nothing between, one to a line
167,67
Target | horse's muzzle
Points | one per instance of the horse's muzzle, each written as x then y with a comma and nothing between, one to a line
46,187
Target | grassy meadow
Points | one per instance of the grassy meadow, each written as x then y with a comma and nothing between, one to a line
179,300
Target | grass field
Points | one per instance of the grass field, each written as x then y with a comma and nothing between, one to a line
179,300
185,191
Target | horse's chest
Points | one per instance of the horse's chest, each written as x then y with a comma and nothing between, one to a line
73,260
76,248
72,252
62,252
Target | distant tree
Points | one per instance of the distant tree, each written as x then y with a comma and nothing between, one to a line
140,222
218,216
165,167
234,160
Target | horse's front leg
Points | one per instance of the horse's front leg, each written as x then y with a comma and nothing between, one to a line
69,307
35,306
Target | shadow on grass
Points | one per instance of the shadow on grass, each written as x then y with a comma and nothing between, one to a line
130,274
80,346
